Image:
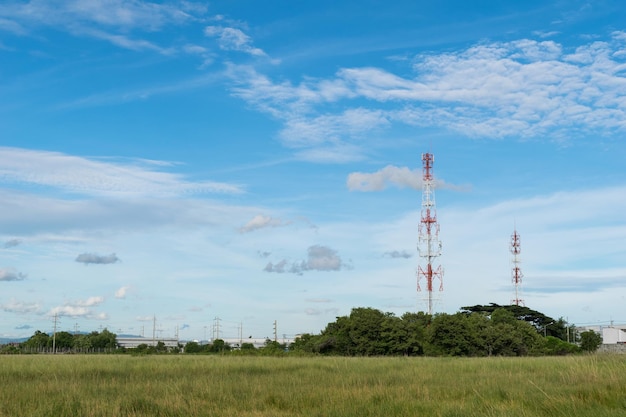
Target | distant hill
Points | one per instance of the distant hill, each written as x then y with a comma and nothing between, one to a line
5,340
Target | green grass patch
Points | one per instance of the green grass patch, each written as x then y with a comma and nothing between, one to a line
186,385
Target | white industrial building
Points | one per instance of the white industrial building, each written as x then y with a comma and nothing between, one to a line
134,341
611,335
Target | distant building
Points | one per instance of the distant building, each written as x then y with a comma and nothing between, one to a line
133,342
611,335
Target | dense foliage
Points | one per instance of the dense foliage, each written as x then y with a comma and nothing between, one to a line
480,330
475,331
66,342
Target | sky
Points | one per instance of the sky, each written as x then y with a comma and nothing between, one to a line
220,168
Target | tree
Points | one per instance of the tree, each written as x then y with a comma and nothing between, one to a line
38,341
218,345
192,347
544,324
64,340
479,334
590,341
555,346
82,342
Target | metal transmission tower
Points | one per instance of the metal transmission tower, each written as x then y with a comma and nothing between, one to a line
516,272
429,245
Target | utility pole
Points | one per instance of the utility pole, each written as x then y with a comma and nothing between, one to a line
54,333
154,330
216,327
275,332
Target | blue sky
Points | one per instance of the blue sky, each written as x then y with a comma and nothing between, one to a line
261,162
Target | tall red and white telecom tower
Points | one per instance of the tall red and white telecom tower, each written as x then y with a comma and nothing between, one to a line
429,245
516,272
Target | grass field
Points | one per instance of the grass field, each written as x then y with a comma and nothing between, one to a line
186,385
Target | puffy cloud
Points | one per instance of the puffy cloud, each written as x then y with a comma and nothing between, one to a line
92,258
70,310
21,307
80,308
323,258
90,302
11,275
391,175
320,258
121,292
377,181
260,221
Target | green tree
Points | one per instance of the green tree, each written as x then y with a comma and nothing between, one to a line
335,338
192,347
38,341
248,347
103,340
455,335
544,324
218,345
367,328
82,343
304,343
555,346
590,341
479,334
64,340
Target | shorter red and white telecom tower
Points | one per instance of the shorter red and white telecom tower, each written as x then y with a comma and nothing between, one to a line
429,245
516,272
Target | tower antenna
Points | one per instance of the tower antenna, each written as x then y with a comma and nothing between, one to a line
429,245
516,272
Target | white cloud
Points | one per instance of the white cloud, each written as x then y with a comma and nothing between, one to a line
80,308
525,88
86,176
260,221
233,39
20,307
90,302
391,175
121,14
122,291
11,275
126,42
109,20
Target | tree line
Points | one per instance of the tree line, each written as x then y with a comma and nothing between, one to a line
480,330
40,342
489,330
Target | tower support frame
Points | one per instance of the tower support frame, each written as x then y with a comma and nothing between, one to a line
429,245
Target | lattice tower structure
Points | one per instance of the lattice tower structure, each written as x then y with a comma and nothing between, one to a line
516,271
429,245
